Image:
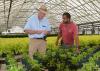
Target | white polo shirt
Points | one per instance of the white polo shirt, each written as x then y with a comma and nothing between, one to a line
33,23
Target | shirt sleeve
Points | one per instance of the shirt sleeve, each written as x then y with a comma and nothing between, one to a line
48,26
28,24
75,29
60,27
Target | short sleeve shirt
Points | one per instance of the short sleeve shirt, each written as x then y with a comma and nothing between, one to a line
68,31
33,23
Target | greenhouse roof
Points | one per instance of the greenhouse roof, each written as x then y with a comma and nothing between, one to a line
16,12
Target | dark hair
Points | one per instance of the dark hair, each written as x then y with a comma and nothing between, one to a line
67,14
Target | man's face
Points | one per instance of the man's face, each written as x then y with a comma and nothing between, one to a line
41,15
65,19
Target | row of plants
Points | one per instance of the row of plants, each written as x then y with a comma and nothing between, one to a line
14,46
17,44
91,40
84,55
58,59
42,62
93,64
12,64
29,64
55,59
9,49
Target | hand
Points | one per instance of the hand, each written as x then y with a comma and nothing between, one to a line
45,32
77,50
56,43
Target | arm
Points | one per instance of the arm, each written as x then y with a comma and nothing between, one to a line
59,35
77,43
46,32
28,28
76,38
28,31
58,38
48,28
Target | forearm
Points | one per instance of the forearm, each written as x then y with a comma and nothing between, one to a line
58,37
32,32
46,32
77,41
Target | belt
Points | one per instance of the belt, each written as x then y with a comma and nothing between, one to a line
38,38
41,39
44,38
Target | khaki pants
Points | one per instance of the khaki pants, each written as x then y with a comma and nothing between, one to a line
36,45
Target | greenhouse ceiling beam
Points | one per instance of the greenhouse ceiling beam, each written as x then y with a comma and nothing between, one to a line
79,5
18,13
56,5
92,8
81,12
4,12
87,12
89,23
9,14
19,10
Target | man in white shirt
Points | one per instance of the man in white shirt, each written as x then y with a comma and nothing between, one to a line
37,27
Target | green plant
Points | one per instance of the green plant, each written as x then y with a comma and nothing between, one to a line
12,64
91,65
